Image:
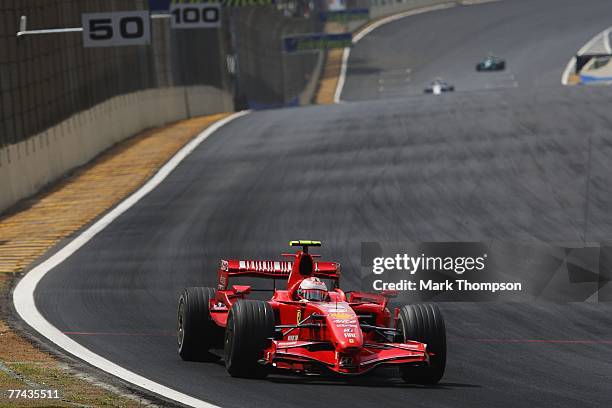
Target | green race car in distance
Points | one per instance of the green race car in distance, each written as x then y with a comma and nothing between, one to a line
491,63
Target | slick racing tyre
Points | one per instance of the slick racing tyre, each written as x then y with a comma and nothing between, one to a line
250,325
196,332
423,323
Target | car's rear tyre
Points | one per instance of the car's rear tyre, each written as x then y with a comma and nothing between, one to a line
423,323
250,325
196,332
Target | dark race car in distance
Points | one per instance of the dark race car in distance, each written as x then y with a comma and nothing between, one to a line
491,63
438,86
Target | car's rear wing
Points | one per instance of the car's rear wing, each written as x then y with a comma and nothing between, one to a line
271,270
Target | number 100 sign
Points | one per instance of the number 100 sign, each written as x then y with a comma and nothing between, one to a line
195,15
116,29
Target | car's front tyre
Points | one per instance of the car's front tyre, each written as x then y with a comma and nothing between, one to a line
250,325
196,332
423,323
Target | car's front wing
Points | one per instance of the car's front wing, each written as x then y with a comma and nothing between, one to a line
305,356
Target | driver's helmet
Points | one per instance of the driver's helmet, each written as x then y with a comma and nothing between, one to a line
312,289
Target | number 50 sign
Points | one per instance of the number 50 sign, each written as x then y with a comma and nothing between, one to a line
116,29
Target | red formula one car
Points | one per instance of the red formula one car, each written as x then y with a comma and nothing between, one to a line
305,328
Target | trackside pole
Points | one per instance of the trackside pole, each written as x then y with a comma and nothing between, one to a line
23,27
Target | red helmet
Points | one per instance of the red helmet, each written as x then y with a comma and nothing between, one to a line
312,289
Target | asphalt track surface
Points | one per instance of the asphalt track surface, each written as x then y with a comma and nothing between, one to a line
537,38
525,163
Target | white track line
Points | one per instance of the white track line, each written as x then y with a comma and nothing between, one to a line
357,37
606,39
568,70
23,296
605,34
476,2
340,85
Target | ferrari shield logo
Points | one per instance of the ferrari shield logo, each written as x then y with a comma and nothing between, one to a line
299,316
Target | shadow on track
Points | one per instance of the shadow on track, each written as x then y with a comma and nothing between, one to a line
386,378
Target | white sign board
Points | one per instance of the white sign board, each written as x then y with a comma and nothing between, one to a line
336,5
115,29
195,15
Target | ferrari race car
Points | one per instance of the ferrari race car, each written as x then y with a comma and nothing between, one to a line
438,86
491,63
305,328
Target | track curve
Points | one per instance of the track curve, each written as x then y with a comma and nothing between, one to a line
537,38
526,163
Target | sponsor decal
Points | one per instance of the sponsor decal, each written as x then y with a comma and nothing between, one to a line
299,316
293,337
334,306
344,16
265,266
341,315
344,321
162,6
351,340
317,41
344,361
350,335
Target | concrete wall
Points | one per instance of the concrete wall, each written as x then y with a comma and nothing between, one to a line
62,104
27,166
